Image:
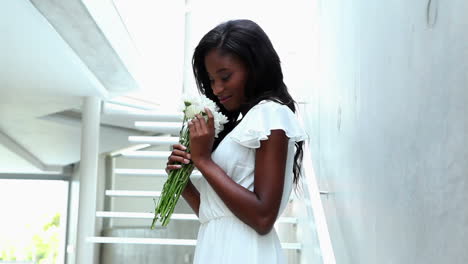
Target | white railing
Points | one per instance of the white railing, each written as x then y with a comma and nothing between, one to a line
313,194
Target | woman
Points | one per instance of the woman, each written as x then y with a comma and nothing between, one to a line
249,170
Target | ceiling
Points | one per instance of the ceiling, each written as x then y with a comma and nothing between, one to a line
52,56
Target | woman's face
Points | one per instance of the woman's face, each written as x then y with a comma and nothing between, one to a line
228,76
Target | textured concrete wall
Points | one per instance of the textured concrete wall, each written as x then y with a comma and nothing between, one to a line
387,119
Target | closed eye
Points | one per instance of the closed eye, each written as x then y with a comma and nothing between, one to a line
226,77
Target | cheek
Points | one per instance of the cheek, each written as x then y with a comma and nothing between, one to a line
244,84
243,89
241,86
240,90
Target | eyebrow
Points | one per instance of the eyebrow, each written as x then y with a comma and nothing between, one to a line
218,71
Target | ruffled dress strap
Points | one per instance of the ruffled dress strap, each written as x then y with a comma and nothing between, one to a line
257,124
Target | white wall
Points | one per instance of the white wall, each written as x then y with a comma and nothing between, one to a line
388,127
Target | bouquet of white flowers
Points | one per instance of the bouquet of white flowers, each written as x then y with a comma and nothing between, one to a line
177,179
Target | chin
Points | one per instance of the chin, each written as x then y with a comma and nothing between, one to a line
232,108
229,109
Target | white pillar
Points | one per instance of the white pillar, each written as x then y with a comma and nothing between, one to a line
88,179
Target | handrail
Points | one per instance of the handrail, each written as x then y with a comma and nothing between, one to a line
311,184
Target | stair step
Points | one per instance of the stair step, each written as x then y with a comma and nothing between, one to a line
146,154
165,241
161,127
148,172
146,115
126,193
104,214
141,172
153,140
145,241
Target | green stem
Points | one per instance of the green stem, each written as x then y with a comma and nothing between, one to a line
174,185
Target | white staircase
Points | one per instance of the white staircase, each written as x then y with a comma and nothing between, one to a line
116,195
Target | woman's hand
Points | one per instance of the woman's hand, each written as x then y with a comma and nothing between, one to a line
201,137
178,155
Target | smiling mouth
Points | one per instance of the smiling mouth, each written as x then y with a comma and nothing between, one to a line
224,99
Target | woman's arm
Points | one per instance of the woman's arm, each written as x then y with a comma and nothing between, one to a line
192,196
258,208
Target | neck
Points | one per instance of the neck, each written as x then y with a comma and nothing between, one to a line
244,109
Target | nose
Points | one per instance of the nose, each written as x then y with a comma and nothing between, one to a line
218,88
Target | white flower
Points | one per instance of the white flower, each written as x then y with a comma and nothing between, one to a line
192,110
191,98
209,104
219,121
180,106
196,105
178,178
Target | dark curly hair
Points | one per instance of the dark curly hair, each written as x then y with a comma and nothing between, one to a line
247,40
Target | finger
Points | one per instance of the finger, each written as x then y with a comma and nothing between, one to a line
179,146
196,123
210,121
176,153
172,167
201,121
181,153
191,128
173,159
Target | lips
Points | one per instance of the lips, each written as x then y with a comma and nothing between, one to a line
223,99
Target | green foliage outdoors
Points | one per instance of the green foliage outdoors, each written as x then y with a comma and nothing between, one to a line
42,248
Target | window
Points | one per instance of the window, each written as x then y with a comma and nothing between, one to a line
33,220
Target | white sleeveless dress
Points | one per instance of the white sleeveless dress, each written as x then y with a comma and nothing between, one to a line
223,238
